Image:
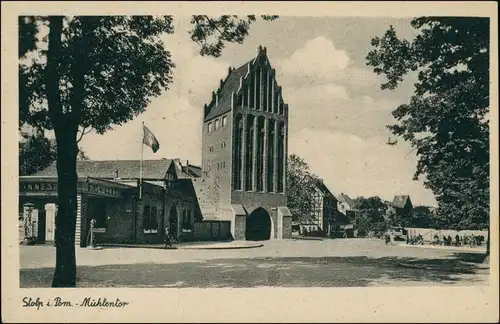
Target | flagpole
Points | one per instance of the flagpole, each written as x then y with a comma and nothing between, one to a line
142,153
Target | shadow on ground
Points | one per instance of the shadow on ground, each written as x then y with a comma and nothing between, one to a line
279,272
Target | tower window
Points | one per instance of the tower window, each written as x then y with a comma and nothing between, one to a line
210,127
217,122
224,121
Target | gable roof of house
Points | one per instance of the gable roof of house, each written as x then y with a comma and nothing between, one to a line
322,187
230,85
400,201
346,199
127,169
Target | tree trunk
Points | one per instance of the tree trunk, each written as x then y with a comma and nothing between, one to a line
488,242
65,273
65,128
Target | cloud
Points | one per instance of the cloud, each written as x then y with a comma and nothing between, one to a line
317,58
359,167
320,62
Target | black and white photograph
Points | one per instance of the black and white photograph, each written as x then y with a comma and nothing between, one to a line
250,151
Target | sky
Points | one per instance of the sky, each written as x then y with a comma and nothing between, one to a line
337,111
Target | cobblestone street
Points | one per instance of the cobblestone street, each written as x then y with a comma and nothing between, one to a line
282,263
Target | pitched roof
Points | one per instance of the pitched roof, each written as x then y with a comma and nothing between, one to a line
400,201
127,169
346,199
232,83
322,187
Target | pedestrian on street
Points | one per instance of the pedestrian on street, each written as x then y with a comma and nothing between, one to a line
168,241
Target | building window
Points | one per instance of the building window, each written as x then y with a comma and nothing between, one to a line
281,156
149,220
97,210
186,220
223,145
270,155
260,153
210,127
249,153
217,123
224,121
237,153
258,85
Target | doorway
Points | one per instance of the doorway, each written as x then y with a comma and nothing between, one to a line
258,225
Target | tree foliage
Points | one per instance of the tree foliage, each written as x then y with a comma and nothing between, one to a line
446,119
370,213
301,189
423,217
36,152
92,73
212,33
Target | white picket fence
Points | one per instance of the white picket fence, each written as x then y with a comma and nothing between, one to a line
428,233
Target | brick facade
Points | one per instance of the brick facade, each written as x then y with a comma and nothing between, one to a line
244,147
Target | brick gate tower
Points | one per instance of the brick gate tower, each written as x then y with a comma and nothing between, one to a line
244,153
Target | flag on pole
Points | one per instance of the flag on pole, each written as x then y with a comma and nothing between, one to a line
150,140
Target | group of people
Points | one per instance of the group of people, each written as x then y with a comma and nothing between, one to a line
415,239
470,240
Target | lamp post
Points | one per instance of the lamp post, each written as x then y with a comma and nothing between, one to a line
92,226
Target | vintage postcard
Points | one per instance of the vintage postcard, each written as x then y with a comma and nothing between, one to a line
249,162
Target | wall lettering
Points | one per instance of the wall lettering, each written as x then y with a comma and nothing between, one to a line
38,187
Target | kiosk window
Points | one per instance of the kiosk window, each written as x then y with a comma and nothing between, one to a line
150,223
97,211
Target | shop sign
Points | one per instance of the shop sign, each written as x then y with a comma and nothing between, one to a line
102,190
38,187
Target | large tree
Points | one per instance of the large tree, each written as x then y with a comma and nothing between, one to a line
301,189
370,213
36,152
94,72
446,120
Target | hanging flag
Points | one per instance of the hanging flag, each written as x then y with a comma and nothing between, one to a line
150,140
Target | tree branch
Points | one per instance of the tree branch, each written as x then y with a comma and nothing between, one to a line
83,133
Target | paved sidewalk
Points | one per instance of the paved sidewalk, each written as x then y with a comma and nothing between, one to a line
480,249
193,245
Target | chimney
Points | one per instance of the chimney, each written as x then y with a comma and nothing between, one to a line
213,96
265,49
217,99
187,162
230,70
259,50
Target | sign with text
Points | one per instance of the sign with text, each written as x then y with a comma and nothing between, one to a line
38,187
99,230
101,190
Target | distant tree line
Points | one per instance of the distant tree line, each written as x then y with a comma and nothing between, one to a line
372,217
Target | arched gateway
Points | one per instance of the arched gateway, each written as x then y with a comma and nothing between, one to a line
258,225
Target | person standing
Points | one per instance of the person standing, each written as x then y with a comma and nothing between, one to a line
168,240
